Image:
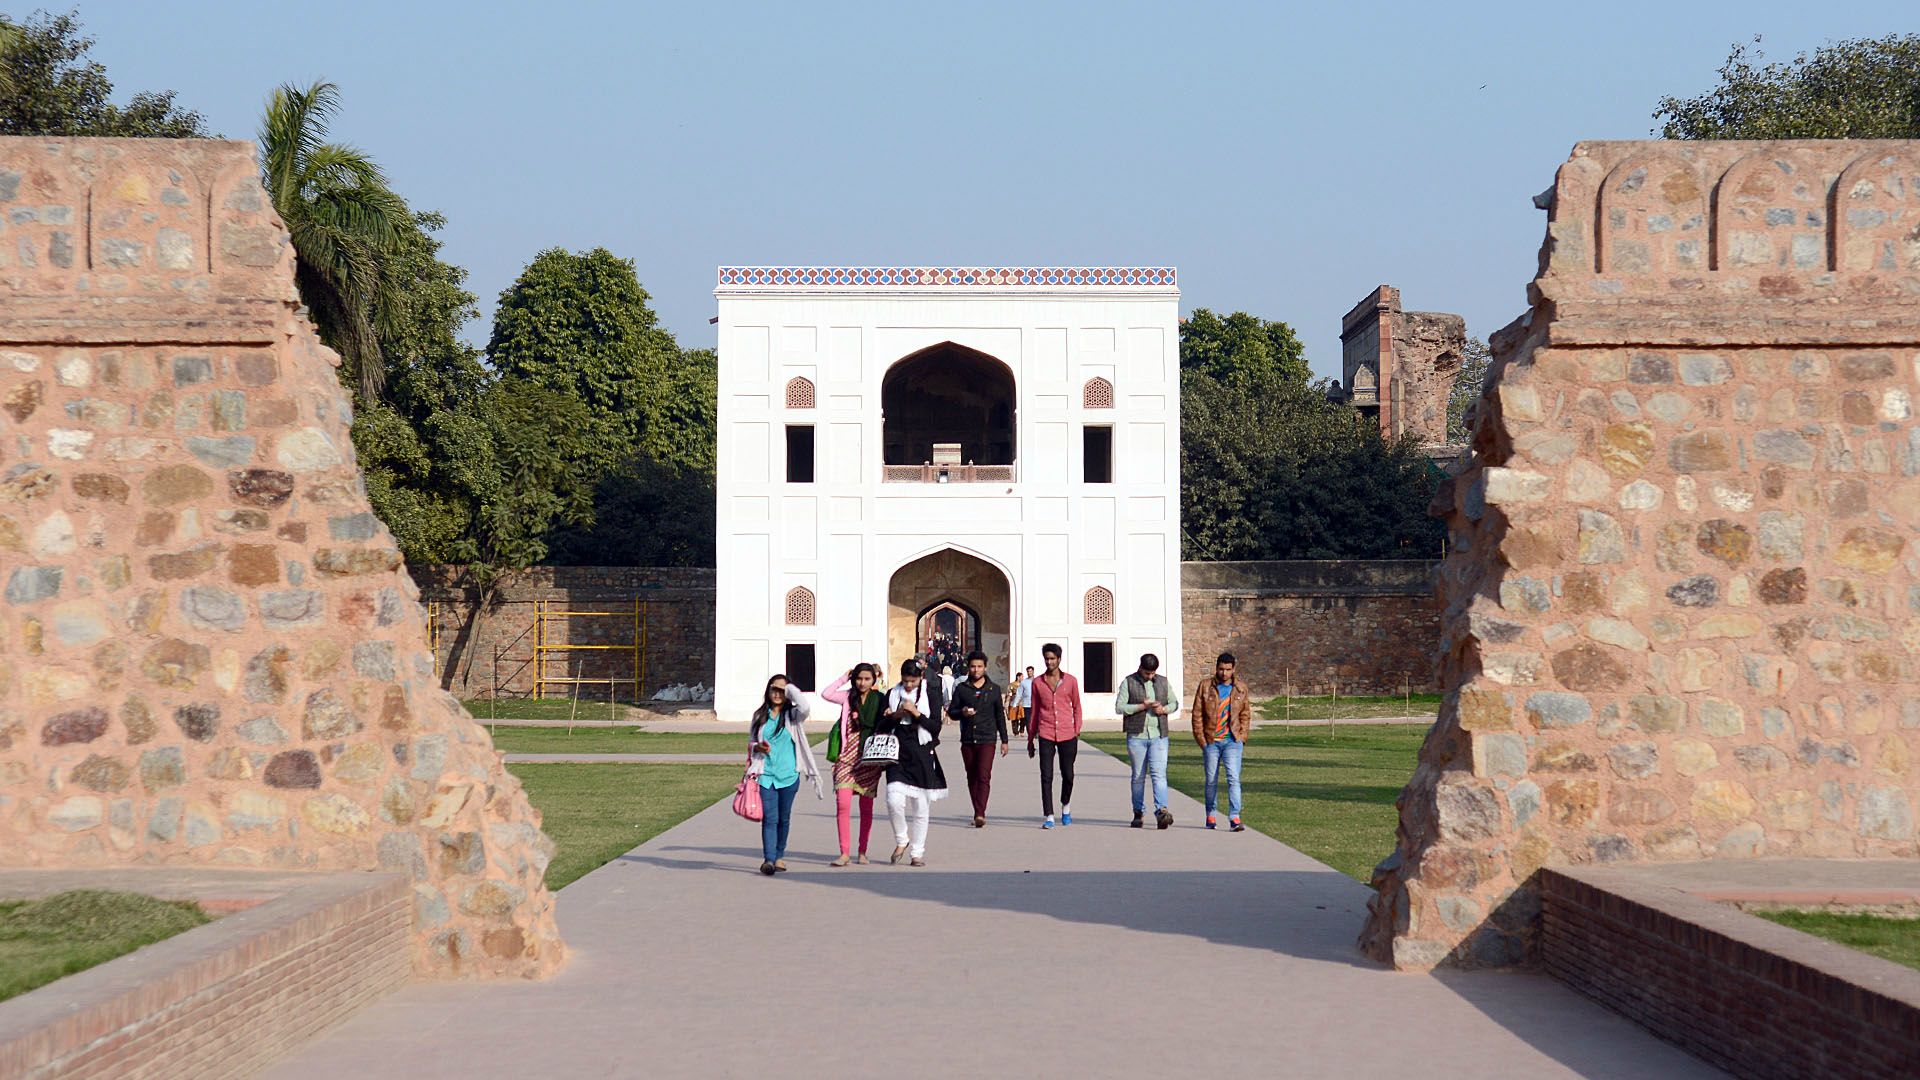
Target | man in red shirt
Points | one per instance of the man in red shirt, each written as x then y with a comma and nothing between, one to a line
1055,724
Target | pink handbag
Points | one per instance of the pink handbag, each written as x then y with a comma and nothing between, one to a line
746,798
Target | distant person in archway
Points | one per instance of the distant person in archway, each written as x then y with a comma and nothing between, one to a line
1222,716
916,781
861,703
982,718
1145,701
1055,726
777,754
1016,707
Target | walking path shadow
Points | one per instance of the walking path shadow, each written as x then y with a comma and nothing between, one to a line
1093,950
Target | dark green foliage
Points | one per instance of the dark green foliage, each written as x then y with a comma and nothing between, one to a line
648,513
48,86
1860,88
1270,469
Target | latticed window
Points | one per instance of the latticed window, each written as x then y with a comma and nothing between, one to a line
1097,395
799,393
800,606
1099,605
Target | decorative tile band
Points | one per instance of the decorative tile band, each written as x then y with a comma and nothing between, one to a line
948,276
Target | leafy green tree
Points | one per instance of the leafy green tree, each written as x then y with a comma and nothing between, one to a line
1271,469
345,222
1476,358
1860,88
1242,345
579,324
48,86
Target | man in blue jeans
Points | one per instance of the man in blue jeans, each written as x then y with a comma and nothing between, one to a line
1144,702
1222,716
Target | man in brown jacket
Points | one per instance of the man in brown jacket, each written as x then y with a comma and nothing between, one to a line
1222,715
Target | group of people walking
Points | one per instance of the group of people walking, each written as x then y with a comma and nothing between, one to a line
885,744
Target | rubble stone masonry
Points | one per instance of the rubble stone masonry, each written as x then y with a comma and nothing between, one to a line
209,650
1681,614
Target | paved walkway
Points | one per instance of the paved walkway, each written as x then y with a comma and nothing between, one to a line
1093,950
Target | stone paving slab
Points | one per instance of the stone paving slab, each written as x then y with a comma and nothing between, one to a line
1785,881
1094,950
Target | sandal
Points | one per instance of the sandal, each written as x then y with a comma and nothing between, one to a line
863,859
843,860
898,854
918,862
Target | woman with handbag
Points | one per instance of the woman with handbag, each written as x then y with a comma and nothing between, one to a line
915,782
861,703
777,754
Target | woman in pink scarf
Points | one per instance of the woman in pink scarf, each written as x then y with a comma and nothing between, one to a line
860,706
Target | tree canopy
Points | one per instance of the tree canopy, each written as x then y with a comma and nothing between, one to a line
1860,88
1271,469
1475,359
49,86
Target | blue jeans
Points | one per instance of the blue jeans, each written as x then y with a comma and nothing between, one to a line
776,818
1148,756
1227,751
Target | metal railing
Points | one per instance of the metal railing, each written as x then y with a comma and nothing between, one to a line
947,474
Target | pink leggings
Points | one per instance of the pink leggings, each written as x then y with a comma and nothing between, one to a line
843,800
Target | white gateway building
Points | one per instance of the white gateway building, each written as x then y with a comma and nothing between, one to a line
989,457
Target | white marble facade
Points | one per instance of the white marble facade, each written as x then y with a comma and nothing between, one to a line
812,563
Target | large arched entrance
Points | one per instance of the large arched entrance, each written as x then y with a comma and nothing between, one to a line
961,601
948,395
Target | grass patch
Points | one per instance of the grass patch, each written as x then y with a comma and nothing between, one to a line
523,740
596,813
1888,938
1325,707
43,940
1331,798
545,709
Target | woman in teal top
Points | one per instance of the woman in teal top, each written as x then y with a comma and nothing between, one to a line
777,753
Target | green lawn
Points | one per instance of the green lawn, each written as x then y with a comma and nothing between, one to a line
524,740
595,813
42,940
1892,939
1343,708
1331,798
545,709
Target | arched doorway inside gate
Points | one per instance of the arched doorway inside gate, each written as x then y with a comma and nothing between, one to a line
960,600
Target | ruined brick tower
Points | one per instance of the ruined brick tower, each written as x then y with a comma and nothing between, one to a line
210,653
1398,367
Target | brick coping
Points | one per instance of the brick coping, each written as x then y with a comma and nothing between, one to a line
273,917
1699,906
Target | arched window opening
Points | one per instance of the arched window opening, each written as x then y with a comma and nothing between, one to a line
1098,394
948,410
800,606
1098,606
799,393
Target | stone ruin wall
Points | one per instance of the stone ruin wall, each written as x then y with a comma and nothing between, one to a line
209,651
1420,352
1682,614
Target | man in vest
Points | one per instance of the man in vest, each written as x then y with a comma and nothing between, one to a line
1144,703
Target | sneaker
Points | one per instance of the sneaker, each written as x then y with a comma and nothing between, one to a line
1237,827
780,865
1066,818
767,869
1210,821
843,860
1163,818
898,854
1047,824
1139,820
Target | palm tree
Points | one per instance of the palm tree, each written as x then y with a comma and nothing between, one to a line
344,220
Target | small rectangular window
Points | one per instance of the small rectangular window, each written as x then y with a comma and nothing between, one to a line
799,453
800,667
1096,667
1097,460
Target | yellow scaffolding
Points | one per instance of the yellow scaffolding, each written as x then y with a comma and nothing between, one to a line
544,646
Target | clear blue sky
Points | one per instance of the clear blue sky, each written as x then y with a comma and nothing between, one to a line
1286,161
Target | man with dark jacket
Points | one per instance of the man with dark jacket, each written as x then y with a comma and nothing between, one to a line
982,716
1144,703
